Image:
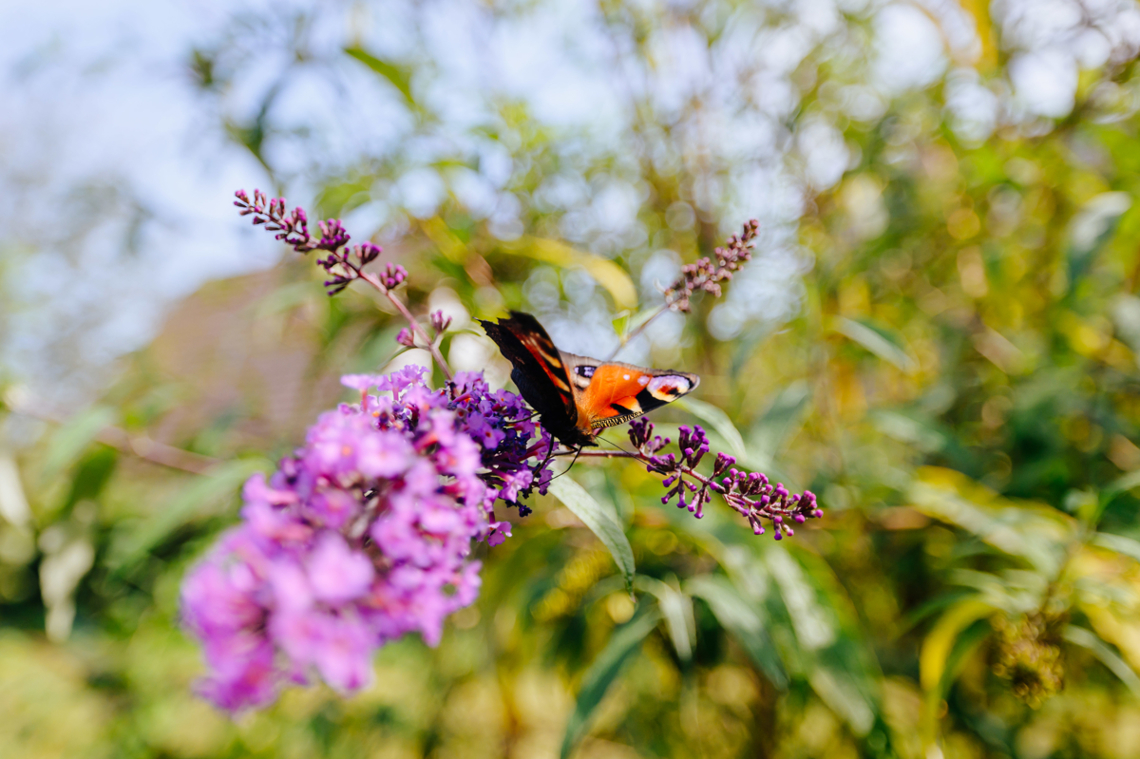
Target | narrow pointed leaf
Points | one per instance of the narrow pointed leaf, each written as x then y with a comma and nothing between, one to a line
203,491
399,77
1118,543
13,503
782,419
602,521
719,421
1101,650
677,609
743,622
73,436
623,643
1091,230
1121,484
883,343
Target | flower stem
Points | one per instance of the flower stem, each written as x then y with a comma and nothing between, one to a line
432,347
640,328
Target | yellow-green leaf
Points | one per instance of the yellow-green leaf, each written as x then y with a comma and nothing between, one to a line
607,274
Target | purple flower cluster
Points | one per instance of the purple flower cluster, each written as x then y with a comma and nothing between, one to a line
749,493
501,423
705,275
362,535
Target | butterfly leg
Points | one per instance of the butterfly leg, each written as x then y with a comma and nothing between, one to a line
549,455
573,461
576,455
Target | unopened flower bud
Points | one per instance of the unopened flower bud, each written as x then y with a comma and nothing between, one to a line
393,276
440,322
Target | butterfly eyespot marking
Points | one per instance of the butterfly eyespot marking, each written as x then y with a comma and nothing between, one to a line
668,387
643,380
584,371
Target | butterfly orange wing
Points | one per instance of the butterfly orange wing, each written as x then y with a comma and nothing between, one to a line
617,393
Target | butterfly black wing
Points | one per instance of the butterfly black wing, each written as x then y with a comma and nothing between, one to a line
540,374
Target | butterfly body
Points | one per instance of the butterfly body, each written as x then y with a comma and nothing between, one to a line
578,396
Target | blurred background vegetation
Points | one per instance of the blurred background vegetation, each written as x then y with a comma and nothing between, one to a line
939,335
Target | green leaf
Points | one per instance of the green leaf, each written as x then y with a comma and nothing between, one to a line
743,622
920,433
1119,544
222,480
1126,319
605,669
1092,228
814,626
13,502
1035,532
842,695
73,436
399,77
831,644
603,522
622,320
1120,485
719,422
676,608
882,342
745,347
781,420
339,198
91,475
1101,650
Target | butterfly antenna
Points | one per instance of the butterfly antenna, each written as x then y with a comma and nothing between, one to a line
614,445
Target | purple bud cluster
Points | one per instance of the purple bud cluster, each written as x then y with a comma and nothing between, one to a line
342,264
393,276
705,275
751,494
292,227
362,535
440,322
333,234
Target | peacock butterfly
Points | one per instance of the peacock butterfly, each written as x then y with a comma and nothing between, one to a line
576,396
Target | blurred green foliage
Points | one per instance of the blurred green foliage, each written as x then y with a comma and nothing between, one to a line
960,386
